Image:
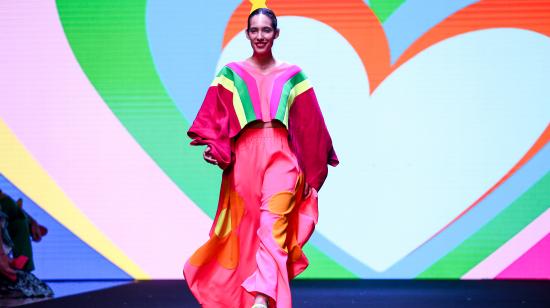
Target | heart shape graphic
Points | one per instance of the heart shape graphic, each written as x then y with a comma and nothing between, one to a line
436,134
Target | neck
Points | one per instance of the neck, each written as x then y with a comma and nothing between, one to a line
263,60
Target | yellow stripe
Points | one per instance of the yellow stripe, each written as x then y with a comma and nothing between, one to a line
237,104
295,91
26,173
285,118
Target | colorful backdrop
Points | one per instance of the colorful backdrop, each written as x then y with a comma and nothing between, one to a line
439,111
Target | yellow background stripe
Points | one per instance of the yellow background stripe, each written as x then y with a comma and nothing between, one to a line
26,173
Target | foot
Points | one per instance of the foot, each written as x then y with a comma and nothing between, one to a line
260,301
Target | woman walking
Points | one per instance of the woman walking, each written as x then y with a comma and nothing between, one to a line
261,123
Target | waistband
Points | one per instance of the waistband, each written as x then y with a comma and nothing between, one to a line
270,124
266,134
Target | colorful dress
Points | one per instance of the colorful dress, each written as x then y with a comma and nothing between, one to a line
263,218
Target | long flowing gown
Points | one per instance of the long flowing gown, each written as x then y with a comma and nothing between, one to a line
263,218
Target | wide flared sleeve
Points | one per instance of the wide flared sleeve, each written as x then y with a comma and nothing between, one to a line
310,138
213,123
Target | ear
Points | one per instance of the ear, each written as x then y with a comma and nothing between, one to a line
277,33
246,33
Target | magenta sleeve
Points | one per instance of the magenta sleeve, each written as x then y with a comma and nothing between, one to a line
212,125
310,139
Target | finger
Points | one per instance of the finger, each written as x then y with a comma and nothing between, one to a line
36,235
8,271
212,161
11,270
307,190
43,230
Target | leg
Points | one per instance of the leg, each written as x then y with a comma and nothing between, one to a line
278,191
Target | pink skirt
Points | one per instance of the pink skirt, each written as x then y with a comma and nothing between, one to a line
260,227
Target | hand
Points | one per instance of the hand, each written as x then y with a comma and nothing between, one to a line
5,268
307,190
208,156
37,231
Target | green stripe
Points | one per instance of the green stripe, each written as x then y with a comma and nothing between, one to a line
384,8
242,89
494,234
291,83
323,266
123,73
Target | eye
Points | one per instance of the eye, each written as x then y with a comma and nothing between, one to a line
267,30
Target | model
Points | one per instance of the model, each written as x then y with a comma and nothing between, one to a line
261,123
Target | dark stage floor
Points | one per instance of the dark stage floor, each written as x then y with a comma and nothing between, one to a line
332,293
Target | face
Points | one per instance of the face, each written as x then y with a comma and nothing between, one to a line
261,34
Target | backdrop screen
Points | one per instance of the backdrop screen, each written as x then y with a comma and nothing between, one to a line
439,112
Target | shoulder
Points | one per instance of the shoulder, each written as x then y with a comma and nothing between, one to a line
232,69
295,71
225,68
296,75
227,72
296,84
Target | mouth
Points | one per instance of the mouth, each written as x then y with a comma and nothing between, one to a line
260,45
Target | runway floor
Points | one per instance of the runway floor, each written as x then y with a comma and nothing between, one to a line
332,293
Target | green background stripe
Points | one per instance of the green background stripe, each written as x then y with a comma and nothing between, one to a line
494,234
384,8
109,40
320,265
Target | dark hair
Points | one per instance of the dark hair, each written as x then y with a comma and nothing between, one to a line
265,11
